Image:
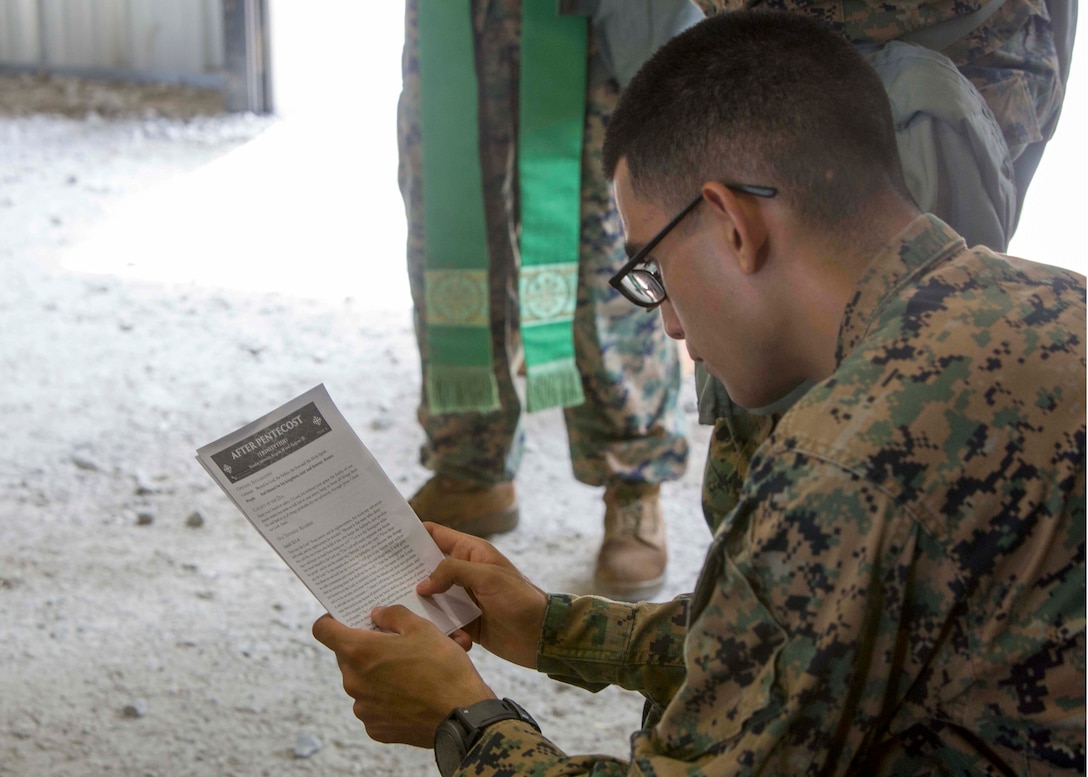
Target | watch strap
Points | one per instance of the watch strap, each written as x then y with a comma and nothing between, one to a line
464,726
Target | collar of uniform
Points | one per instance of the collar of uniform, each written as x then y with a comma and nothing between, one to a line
924,243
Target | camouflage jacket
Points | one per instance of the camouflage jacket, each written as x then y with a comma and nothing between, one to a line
1016,54
901,589
879,21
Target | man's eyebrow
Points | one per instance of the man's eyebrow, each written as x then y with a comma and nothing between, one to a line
630,249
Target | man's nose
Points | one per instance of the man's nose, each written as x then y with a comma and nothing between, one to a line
670,322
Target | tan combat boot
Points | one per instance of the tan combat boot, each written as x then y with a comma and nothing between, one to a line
467,506
631,562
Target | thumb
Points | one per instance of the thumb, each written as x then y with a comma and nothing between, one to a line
397,619
329,631
451,572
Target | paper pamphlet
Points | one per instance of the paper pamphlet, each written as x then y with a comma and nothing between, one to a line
306,482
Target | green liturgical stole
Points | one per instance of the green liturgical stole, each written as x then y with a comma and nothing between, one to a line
458,333
460,374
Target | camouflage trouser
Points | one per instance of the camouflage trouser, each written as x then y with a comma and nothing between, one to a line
1016,63
630,426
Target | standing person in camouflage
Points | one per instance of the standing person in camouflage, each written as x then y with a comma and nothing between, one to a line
977,88
629,434
901,587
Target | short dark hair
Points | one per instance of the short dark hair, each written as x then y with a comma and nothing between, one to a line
758,97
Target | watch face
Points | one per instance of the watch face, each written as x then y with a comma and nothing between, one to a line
449,750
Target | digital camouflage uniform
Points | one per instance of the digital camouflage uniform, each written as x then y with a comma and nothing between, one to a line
901,589
630,426
1017,64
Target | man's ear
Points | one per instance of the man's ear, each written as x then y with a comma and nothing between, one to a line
742,222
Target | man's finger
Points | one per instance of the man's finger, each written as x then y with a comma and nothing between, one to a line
462,638
397,619
452,572
464,546
444,537
328,631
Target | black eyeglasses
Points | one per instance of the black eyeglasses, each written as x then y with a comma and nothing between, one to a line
642,285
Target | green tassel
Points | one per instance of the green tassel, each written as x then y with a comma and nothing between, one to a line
462,389
554,384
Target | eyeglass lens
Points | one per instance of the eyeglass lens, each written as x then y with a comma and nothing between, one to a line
644,285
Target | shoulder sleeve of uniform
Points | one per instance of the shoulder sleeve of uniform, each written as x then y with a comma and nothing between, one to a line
593,642
511,747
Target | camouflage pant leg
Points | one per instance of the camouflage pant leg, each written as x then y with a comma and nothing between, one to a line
483,447
630,425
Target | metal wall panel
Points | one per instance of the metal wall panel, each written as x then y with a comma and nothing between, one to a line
83,33
181,35
20,35
175,38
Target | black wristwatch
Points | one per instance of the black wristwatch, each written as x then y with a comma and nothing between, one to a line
456,735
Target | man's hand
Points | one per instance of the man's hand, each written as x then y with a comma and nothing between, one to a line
404,680
513,608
